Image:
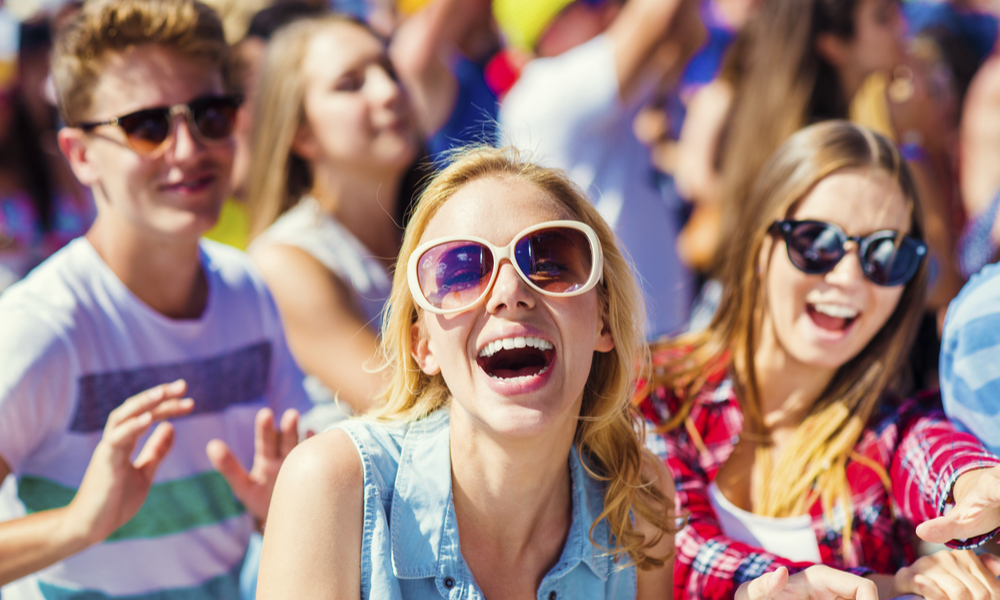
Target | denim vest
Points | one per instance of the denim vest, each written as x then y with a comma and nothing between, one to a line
410,548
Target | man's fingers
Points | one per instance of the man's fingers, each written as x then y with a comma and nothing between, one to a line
289,432
226,463
155,450
265,435
124,435
170,409
145,401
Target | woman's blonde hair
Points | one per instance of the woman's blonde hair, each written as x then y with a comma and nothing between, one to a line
278,177
815,461
607,432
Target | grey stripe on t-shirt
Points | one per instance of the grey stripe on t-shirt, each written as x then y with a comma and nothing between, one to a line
215,383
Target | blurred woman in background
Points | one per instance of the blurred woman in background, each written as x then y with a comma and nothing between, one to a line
794,64
333,142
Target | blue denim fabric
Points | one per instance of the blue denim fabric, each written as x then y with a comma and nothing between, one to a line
410,548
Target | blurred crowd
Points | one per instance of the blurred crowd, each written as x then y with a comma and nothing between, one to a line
667,152
664,113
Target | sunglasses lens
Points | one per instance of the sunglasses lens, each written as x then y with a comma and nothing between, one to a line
147,129
886,264
557,260
814,247
453,275
215,117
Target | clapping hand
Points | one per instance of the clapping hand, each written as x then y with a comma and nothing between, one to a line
271,446
114,486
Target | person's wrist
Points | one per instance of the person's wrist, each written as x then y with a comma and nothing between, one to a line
74,532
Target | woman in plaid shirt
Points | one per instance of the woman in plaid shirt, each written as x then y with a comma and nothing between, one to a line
788,445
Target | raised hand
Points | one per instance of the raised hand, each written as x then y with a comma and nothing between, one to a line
114,486
951,574
271,446
976,511
818,582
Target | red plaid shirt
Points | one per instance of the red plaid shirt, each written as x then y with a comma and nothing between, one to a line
921,451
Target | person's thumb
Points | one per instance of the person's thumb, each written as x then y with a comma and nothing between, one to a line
765,587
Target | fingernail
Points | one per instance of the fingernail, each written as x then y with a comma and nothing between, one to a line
177,386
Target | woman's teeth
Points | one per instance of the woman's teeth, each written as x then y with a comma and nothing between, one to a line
838,311
513,342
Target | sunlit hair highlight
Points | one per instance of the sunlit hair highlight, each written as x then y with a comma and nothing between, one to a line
606,435
814,463
103,27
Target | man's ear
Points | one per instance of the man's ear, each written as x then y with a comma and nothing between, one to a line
420,350
604,342
75,147
832,48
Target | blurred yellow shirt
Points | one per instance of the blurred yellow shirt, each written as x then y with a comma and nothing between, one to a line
233,226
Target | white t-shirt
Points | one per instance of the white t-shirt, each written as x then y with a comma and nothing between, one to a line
75,344
307,226
788,537
568,113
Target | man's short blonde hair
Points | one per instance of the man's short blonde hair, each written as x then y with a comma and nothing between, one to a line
103,27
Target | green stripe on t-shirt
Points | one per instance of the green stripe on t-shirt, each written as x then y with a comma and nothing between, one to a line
226,585
172,506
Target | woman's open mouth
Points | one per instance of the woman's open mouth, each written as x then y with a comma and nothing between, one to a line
832,317
514,357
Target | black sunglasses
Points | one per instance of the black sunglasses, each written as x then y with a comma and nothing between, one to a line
887,258
211,119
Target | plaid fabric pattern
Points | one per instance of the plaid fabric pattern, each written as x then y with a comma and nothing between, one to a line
920,450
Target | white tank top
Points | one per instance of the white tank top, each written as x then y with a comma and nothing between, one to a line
315,231
788,537
308,227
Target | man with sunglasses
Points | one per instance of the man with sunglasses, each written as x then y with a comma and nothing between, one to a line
117,505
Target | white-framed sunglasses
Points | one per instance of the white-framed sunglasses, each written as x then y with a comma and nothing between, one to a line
555,258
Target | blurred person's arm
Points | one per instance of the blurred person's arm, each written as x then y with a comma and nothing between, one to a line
696,176
668,31
113,489
980,142
924,136
325,332
422,49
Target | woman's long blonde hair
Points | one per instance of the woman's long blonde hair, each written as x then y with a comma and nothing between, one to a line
815,461
607,432
278,177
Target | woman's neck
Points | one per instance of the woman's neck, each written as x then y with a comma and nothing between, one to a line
512,499
366,206
786,387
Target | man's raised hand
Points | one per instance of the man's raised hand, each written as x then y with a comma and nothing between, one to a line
271,446
114,486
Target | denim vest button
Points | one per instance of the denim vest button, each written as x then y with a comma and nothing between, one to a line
552,595
449,583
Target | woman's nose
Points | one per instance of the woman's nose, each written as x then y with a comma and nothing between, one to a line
509,291
848,271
